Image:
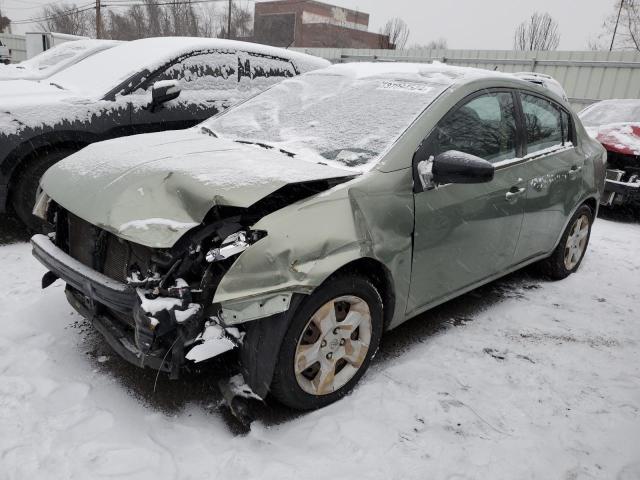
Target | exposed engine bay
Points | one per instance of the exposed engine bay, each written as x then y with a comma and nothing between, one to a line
166,318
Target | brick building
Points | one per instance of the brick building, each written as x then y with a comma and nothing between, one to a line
299,23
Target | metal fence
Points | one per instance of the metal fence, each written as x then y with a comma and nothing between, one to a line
17,45
586,76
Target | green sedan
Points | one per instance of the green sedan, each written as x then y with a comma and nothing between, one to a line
290,232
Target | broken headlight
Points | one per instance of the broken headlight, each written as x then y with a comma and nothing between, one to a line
234,244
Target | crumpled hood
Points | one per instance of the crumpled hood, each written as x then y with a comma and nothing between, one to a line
153,188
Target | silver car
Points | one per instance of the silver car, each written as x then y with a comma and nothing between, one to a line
299,226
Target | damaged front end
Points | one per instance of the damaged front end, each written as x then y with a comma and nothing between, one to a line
153,306
157,307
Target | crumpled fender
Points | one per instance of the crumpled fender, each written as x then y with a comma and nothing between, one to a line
308,241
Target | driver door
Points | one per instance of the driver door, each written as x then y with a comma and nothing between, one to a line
465,233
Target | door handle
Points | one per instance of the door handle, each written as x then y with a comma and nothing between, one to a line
513,194
575,170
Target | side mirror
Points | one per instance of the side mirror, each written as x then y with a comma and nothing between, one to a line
164,91
459,167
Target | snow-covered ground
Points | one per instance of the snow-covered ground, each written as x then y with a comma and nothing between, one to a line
522,379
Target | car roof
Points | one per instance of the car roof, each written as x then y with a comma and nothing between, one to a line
171,47
414,71
617,101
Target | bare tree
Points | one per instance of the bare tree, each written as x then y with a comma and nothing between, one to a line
439,44
621,29
540,32
68,18
241,21
5,23
398,32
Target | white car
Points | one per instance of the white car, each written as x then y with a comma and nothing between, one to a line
547,81
54,60
5,54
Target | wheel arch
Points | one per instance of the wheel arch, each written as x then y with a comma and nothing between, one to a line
35,147
379,275
592,202
259,352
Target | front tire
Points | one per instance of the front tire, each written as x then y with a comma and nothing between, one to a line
25,186
330,343
568,255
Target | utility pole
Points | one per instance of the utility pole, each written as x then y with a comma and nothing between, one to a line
98,20
229,20
615,29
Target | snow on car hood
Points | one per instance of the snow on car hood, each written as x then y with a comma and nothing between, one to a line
151,189
27,104
26,89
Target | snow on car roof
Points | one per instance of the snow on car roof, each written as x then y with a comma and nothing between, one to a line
104,71
431,72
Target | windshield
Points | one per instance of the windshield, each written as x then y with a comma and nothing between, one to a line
604,113
56,55
98,74
338,119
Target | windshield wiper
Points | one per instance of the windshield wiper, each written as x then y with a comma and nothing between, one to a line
56,85
266,146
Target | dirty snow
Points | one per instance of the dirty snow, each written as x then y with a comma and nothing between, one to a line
523,379
214,342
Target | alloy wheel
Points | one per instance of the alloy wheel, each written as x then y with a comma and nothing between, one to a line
576,242
333,345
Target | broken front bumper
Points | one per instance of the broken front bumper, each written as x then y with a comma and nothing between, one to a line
96,297
90,288
618,192
94,285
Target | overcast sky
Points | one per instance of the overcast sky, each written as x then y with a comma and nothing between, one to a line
468,24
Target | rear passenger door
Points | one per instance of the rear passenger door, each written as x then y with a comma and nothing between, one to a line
553,174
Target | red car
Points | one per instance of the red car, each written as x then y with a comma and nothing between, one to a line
616,124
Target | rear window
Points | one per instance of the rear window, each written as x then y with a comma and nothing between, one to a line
543,123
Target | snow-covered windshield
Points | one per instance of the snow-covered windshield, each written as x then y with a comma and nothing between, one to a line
611,111
100,73
64,53
338,119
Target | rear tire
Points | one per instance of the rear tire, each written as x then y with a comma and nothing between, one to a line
568,255
351,309
25,186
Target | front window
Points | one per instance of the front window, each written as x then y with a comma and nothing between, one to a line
232,75
334,119
484,127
